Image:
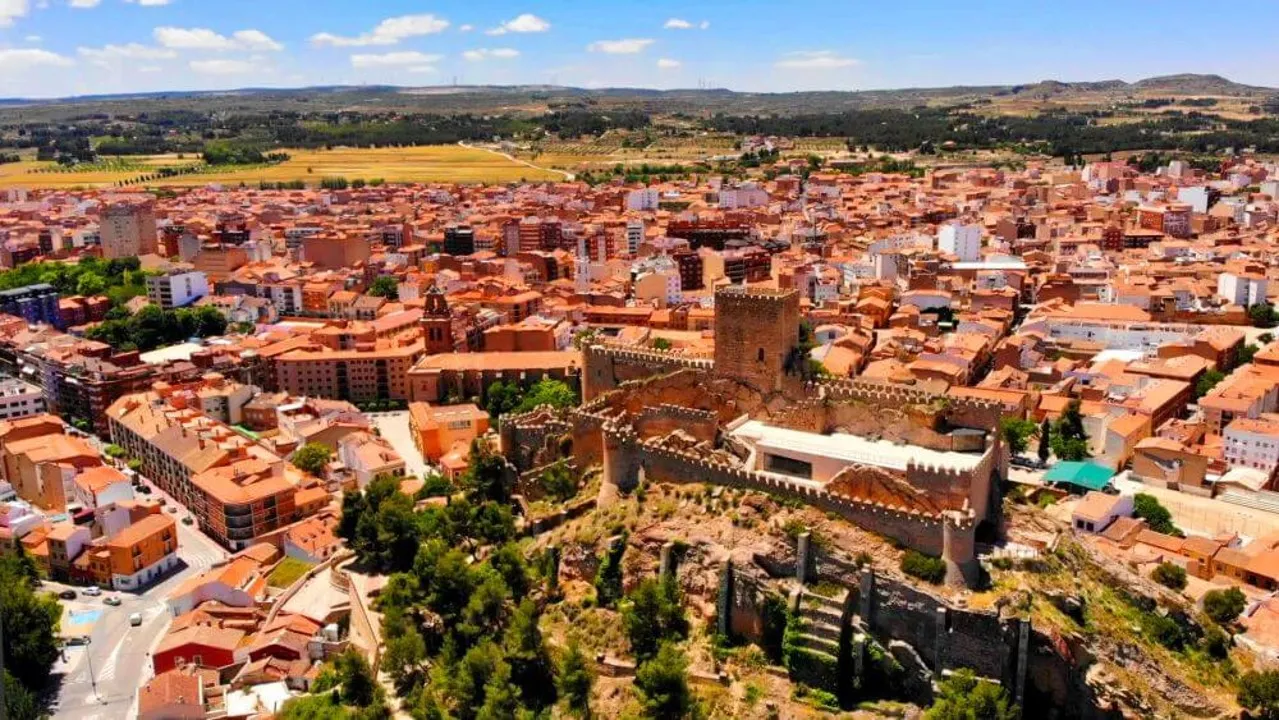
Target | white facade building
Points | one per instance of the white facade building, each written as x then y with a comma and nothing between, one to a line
1253,443
19,399
634,236
1245,290
960,240
645,199
177,289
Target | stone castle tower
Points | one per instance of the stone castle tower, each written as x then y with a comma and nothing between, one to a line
756,333
437,322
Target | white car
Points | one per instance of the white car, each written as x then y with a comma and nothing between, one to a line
92,591
135,619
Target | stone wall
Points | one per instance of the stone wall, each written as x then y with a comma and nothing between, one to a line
756,332
608,366
662,420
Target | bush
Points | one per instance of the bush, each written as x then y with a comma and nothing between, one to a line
1224,606
1259,694
925,567
1170,576
1148,508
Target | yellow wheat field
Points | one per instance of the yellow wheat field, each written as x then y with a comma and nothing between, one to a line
435,163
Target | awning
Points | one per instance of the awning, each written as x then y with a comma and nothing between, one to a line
1086,475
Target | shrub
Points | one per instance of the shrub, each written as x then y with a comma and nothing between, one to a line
925,567
1224,606
1169,575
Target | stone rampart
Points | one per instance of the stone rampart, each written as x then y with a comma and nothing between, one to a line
606,367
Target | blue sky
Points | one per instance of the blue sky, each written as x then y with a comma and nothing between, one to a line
68,47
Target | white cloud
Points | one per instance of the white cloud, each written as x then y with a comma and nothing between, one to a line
815,60
465,28
524,23
388,32
131,51
33,39
629,46
205,39
256,40
481,54
18,59
668,64
224,67
85,3
11,10
682,24
149,3
395,59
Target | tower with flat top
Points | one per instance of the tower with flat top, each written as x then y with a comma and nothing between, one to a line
756,335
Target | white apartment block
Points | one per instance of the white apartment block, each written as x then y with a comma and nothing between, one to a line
1239,289
634,236
19,399
641,200
1253,443
177,289
1145,337
960,240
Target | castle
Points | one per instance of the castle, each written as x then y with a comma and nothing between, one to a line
920,468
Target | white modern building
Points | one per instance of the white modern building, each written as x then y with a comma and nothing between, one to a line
634,236
960,240
1253,442
645,199
19,399
1242,289
177,289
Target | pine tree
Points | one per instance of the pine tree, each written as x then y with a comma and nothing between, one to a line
1045,440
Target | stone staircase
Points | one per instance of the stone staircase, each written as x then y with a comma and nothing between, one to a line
816,638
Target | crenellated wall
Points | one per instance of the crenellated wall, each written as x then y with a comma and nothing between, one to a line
608,366
662,420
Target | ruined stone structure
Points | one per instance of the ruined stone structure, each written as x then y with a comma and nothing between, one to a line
667,417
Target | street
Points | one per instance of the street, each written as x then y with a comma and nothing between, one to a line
394,427
120,655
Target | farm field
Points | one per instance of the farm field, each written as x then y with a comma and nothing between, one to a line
435,163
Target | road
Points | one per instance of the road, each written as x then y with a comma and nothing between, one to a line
118,657
567,175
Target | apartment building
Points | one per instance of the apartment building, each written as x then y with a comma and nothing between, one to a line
1249,392
33,303
177,288
356,375
437,430
19,399
143,552
238,503
1253,442
128,229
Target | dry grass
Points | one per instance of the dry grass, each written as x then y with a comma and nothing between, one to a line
435,163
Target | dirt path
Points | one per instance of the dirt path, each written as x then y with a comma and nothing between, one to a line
567,175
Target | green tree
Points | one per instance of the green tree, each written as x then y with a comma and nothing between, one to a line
210,322
385,286
486,478
558,482
468,681
653,614
555,393
1249,351
19,701
501,398
312,458
1045,440
925,567
1224,606
359,688
963,696
608,579
1208,381
575,679
1263,315
324,706
661,344
30,624
1016,432
662,683
531,668
1259,694
1169,575
405,659
1070,440
91,284
1147,507
501,698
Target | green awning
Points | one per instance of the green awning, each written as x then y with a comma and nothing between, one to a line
1087,475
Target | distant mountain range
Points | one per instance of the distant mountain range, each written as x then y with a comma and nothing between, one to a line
535,98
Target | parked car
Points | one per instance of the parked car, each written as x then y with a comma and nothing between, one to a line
92,591
111,600
135,619
144,489
78,640
187,520
67,595
173,509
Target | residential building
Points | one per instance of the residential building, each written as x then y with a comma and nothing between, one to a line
177,288
144,552
128,229
19,399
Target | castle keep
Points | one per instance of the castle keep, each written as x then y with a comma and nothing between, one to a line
920,468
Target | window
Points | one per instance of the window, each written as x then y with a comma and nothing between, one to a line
760,355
